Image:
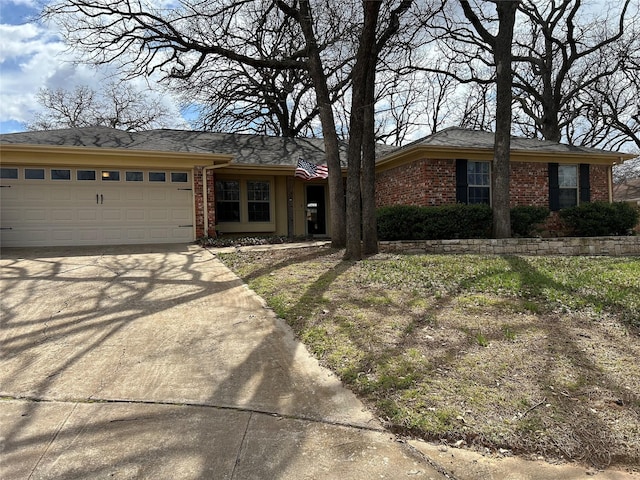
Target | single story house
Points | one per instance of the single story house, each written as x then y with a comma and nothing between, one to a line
100,186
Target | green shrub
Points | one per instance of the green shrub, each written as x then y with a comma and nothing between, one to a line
524,219
598,219
407,222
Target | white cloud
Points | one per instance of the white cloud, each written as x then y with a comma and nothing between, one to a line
34,57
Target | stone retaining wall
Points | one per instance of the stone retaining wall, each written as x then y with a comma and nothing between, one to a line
614,246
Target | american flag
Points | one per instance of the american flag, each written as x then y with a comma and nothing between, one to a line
309,171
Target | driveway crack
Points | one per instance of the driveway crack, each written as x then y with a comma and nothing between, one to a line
242,447
53,439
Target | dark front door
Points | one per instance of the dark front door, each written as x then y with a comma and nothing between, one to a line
315,210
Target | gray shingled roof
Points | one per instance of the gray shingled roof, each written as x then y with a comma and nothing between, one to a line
265,150
246,149
464,138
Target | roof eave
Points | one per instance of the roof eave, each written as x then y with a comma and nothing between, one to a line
81,154
430,151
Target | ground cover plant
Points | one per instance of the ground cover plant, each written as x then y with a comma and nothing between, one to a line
530,355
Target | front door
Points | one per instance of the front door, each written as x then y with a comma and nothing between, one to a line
315,210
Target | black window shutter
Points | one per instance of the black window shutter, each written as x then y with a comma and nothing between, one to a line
585,185
461,181
554,188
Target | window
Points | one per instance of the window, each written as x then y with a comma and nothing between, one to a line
179,177
473,181
110,176
228,200
10,173
34,173
86,174
57,174
133,176
569,185
157,176
478,183
258,201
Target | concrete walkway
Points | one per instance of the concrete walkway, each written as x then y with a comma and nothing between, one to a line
157,362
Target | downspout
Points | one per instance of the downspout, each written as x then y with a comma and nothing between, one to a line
205,200
610,182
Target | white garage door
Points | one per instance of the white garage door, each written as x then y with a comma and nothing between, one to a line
73,206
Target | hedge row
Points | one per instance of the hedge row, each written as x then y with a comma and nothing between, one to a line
407,222
599,219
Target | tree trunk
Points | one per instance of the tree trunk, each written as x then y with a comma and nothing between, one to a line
502,148
369,224
362,76
332,152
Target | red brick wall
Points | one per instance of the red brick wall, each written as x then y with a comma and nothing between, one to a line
199,205
599,175
529,184
199,201
423,182
211,203
433,182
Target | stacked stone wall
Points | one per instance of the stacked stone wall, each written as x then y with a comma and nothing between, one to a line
613,246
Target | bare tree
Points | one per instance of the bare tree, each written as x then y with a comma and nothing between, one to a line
500,45
262,101
118,105
561,50
560,57
235,96
413,104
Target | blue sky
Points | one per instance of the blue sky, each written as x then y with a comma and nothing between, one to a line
32,56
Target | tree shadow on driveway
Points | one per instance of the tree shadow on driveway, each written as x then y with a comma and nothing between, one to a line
161,364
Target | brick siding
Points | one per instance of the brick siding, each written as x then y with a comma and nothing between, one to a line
433,182
199,202
423,182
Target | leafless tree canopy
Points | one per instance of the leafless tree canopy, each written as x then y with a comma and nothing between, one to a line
118,105
567,54
254,65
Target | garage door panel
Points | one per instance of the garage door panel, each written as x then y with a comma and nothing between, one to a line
63,215
62,195
162,234
135,214
112,214
60,235
113,235
88,215
158,215
87,236
10,216
73,212
18,237
156,195
134,196
32,194
180,216
31,214
136,235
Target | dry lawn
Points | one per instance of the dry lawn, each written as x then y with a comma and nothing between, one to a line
537,356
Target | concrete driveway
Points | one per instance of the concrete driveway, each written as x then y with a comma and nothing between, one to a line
157,362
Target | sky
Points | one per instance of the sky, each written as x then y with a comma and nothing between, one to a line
32,56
